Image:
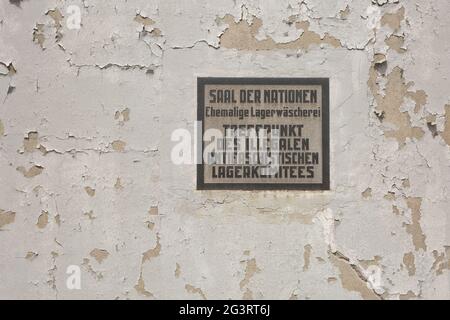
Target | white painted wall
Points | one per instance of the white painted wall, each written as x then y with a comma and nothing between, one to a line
86,114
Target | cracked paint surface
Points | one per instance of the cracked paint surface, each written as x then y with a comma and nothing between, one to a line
86,177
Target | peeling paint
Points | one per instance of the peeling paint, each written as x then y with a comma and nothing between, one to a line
177,271
393,20
351,279
367,193
123,116
343,14
16,2
99,254
372,262
396,43
441,261
152,253
153,211
118,145
414,228
307,257
241,35
150,225
31,172
248,295
90,191
408,261
57,17
145,21
95,274
57,220
191,289
446,132
38,35
6,217
389,105
408,296
30,256
251,269
31,142
118,185
140,287
90,215
7,69
42,220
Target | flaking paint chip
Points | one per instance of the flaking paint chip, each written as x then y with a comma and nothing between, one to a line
241,35
145,21
367,193
32,172
89,191
119,145
6,217
118,185
153,211
42,220
99,254
30,256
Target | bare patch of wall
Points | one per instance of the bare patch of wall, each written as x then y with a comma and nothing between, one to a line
91,96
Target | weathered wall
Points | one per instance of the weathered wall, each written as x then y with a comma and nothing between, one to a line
86,177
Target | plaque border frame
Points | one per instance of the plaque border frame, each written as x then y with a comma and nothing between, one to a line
323,82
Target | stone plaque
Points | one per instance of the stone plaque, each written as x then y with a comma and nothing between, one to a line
264,133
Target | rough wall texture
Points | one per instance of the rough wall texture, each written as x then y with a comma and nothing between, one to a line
86,177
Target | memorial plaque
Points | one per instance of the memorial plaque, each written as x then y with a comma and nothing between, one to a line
264,133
